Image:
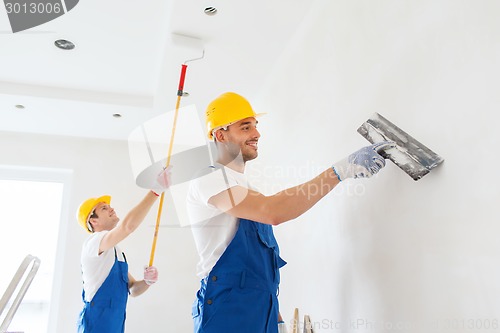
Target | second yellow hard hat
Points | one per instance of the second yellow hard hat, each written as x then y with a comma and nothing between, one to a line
86,208
227,109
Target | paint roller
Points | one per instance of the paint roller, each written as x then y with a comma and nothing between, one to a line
409,155
180,94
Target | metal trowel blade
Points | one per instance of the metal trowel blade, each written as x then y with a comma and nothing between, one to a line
409,155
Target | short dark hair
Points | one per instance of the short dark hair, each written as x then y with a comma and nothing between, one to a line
93,214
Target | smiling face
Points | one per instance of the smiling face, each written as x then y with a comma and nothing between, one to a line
103,217
240,139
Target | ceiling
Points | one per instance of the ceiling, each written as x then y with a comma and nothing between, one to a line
128,58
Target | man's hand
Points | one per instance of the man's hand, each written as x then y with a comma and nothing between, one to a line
282,327
150,275
163,181
363,163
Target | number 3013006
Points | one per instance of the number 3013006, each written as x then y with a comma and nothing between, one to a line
33,8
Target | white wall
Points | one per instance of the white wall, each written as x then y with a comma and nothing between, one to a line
375,255
103,167
389,250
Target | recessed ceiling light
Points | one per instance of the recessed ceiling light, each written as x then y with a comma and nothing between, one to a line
64,44
19,106
117,115
211,11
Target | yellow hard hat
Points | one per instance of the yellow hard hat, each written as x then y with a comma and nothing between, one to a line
227,109
87,207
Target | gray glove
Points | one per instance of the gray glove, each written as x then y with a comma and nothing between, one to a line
163,181
150,275
282,327
363,163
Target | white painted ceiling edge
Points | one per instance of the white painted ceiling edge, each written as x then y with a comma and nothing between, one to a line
128,58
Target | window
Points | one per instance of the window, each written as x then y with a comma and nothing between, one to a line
31,202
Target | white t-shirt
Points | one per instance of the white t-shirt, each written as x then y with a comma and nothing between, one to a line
212,229
95,267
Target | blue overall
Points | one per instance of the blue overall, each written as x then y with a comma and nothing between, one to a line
240,293
105,313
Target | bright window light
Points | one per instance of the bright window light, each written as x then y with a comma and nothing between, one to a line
30,219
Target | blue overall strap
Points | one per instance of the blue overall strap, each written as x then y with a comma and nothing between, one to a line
105,313
240,293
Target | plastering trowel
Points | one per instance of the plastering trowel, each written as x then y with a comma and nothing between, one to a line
409,155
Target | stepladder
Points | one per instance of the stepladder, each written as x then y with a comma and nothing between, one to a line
19,276
307,326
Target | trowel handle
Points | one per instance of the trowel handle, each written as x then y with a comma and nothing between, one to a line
382,147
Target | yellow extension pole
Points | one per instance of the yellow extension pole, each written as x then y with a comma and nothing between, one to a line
170,147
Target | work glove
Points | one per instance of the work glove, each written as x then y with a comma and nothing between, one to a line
150,275
163,181
282,327
363,163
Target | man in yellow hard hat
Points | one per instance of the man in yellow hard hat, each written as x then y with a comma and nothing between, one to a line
106,280
232,222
